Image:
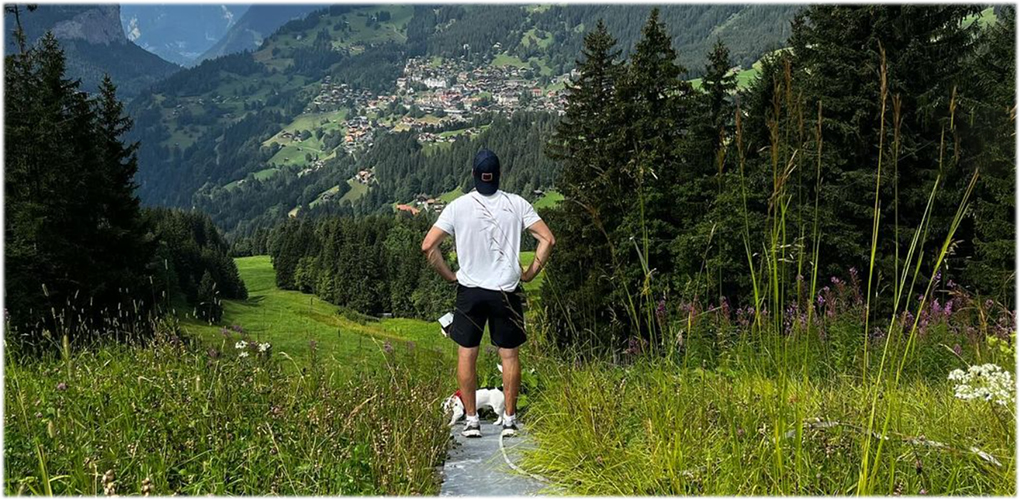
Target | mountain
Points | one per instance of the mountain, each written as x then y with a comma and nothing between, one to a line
355,108
94,43
179,33
258,22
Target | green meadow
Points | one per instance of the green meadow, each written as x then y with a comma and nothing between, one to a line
291,321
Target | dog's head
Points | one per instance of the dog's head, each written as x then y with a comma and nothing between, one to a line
452,402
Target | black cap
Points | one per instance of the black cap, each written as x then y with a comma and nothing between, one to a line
486,172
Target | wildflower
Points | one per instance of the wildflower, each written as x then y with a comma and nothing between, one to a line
62,386
147,487
237,328
109,487
957,349
213,353
387,347
263,347
242,354
241,344
987,382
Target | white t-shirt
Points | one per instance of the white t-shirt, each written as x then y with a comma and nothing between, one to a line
487,231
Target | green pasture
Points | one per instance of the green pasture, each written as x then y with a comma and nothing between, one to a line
291,320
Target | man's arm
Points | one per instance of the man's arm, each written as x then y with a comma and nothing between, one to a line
430,247
546,240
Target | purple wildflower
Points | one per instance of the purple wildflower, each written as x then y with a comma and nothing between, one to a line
387,347
62,386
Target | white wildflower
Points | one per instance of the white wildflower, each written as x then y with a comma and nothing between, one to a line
242,354
241,344
263,347
986,382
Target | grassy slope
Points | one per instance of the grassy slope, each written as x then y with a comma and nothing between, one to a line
357,191
289,320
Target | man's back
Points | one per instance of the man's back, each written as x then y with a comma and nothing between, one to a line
487,231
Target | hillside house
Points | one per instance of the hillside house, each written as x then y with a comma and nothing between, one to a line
408,208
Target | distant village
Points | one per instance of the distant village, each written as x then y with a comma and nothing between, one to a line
427,95
431,98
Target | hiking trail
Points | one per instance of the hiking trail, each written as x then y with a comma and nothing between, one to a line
476,466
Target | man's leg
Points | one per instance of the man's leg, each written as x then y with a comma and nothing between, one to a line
466,357
511,378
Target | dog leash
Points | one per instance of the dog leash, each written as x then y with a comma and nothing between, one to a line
517,468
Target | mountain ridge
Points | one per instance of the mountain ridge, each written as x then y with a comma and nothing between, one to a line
95,44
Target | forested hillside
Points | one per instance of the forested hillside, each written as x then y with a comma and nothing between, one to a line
396,94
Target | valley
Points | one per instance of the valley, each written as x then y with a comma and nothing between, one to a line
286,126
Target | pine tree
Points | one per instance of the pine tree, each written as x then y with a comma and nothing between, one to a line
121,229
654,109
989,105
704,191
578,290
837,56
60,182
718,84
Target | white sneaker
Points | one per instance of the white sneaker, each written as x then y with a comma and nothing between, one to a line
472,430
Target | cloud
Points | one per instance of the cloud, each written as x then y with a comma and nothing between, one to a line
229,16
133,32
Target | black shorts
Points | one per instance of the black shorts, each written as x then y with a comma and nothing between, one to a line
504,312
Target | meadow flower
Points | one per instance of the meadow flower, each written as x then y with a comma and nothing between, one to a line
241,344
987,382
242,354
62,386
109,487
387,347
263,347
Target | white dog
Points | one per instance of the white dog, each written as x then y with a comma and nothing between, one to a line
491,398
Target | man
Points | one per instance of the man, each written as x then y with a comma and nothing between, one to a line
487,224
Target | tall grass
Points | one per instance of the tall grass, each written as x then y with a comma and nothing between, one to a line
787,399
172,417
